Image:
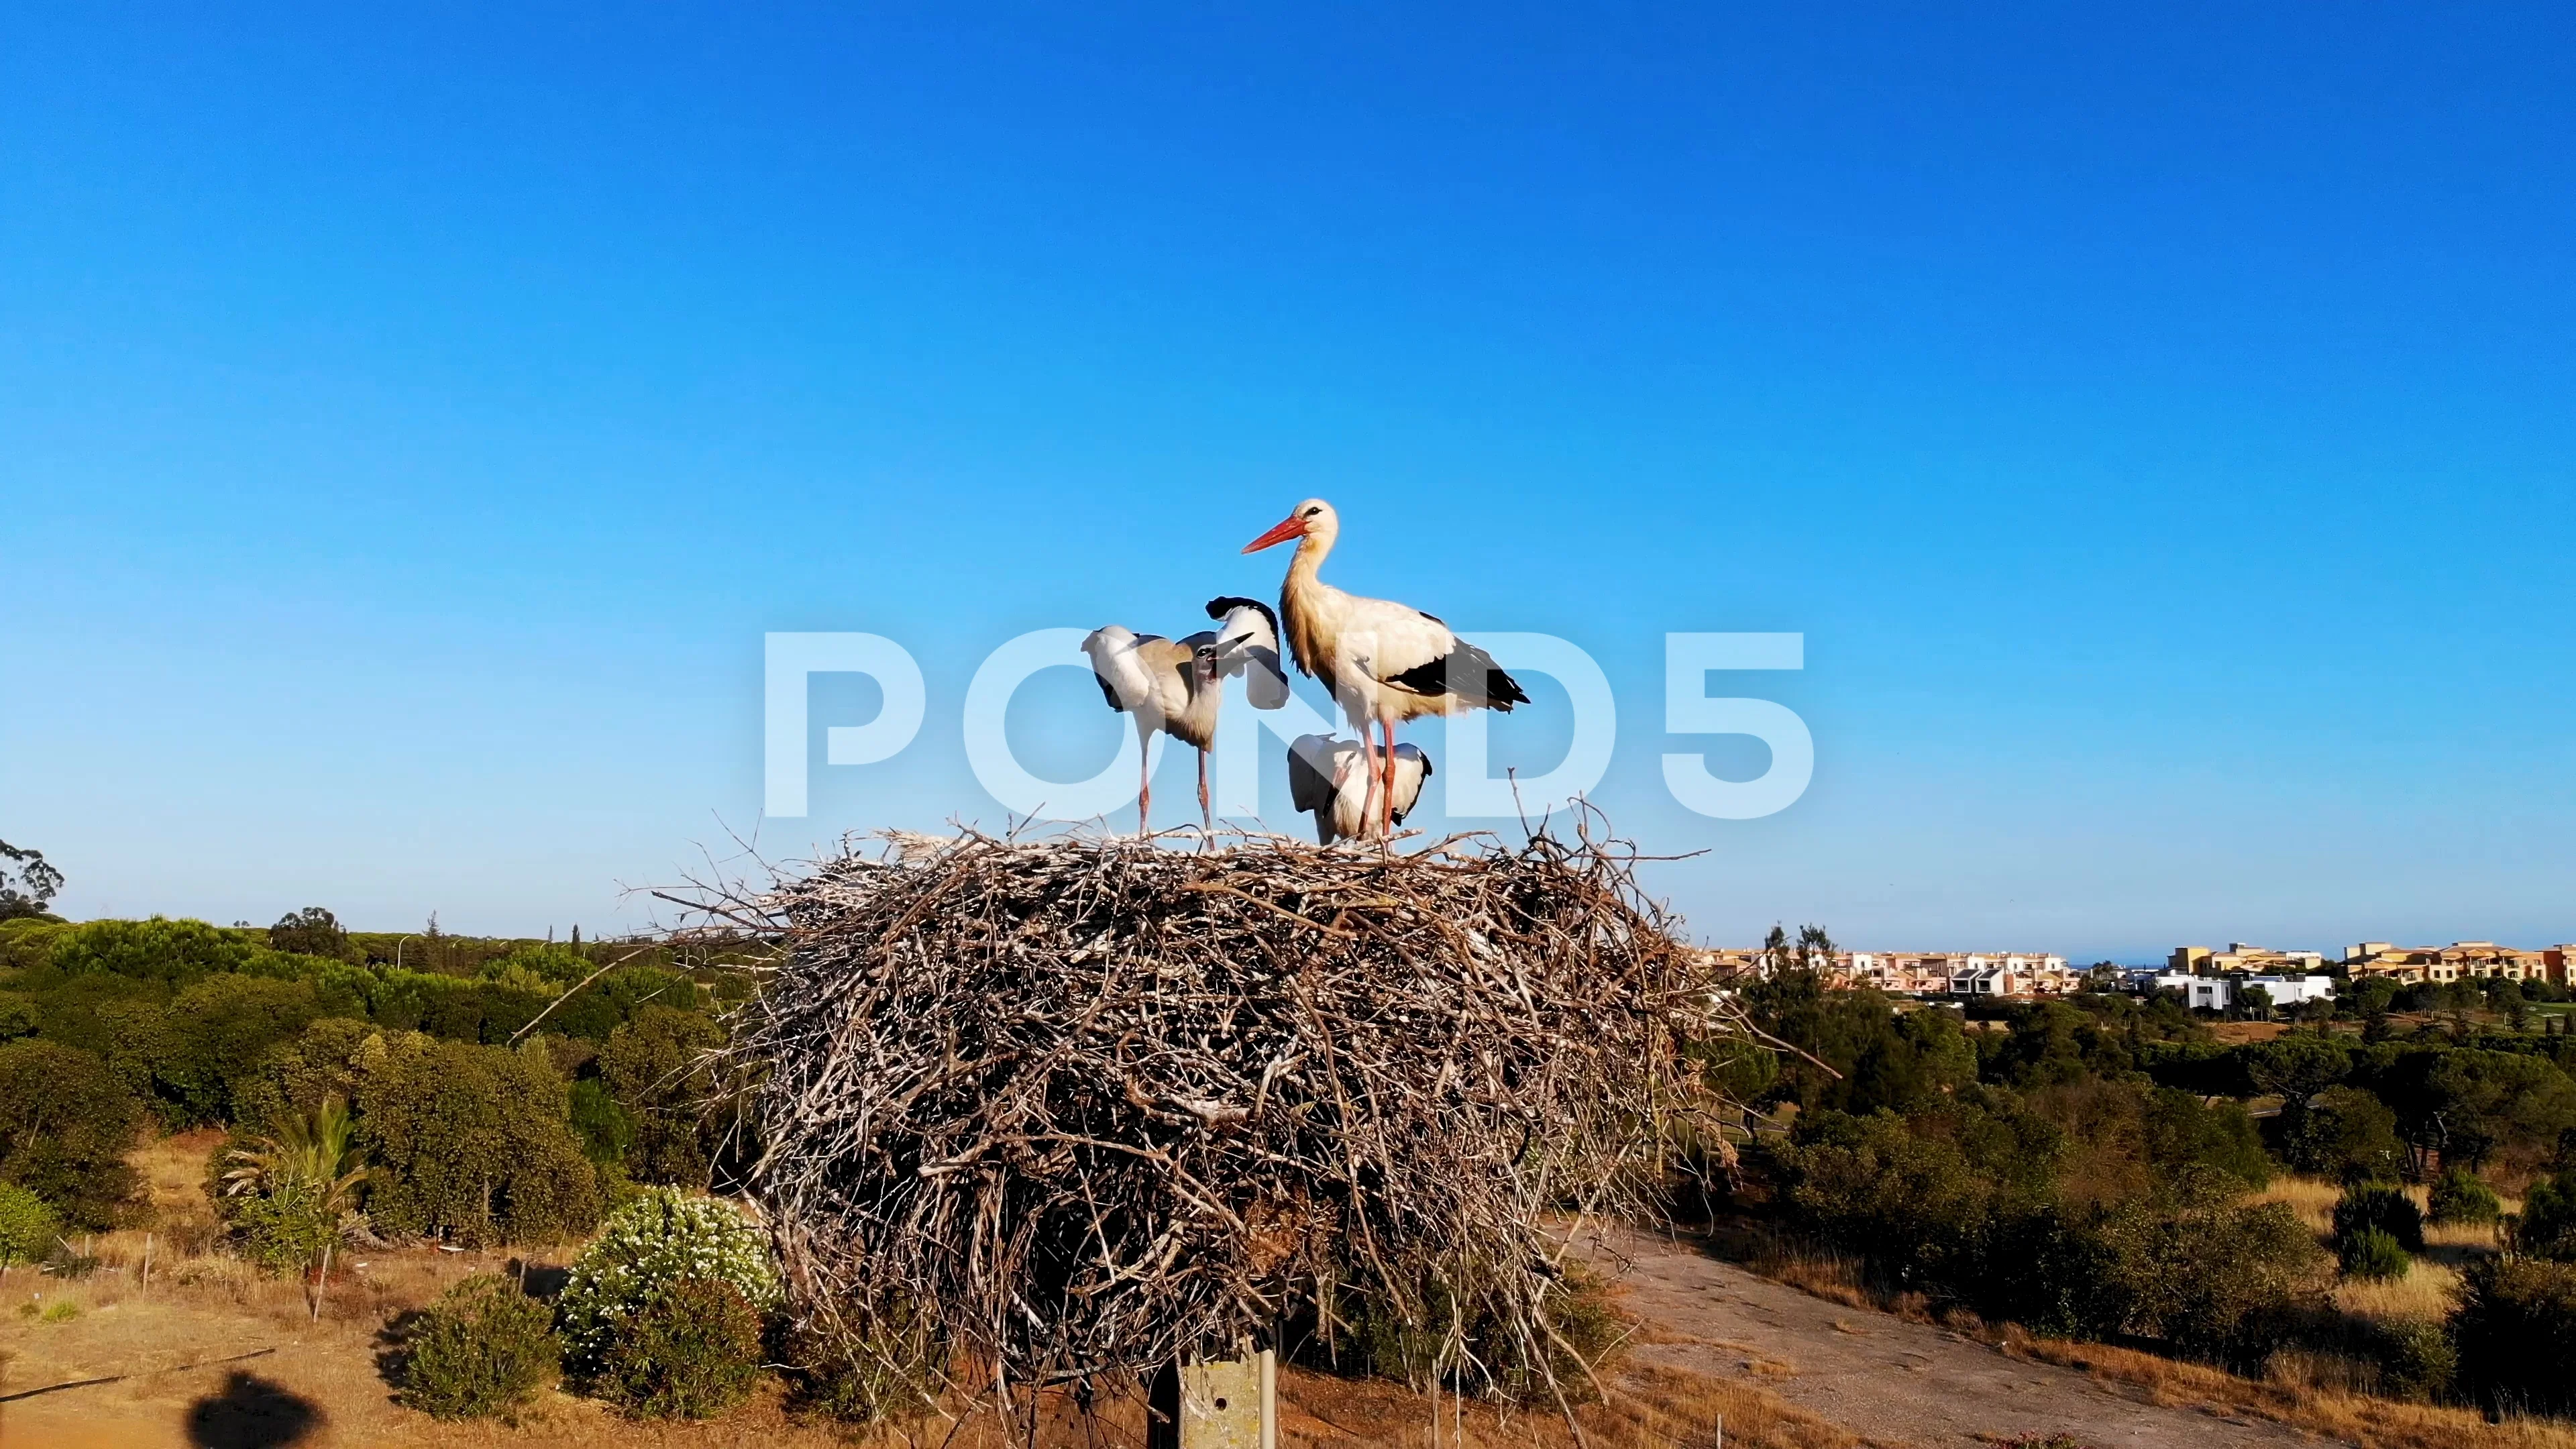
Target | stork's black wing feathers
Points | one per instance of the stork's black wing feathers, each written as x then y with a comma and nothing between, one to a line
1310,772
1108,691
1468,672
1218,608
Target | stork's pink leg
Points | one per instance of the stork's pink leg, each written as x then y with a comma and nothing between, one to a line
1386,792
1368,790
1144,786
1207,821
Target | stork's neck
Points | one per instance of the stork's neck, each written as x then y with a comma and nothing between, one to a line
1304,601
1310,558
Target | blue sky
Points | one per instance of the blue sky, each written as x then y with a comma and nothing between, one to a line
2163,432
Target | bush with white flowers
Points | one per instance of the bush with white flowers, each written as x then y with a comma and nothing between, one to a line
662,1238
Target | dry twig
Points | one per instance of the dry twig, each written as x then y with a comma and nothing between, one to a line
1092,1105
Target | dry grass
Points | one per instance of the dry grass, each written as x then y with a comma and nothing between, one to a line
2430,1290
2372,1423
2312,1199
165,1346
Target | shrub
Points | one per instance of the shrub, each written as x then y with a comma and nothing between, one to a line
2417,1359
2208,1276
654,1066
661,1237
2547,1227
215,1034
172,952
472,1142
2380,1205
484,1348
27,1226
2459,1197
865,1381
2372,1253
690,1351
1383,1341
65,1123
286,1228
2516,1331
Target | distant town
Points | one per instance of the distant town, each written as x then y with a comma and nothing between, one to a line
2202,977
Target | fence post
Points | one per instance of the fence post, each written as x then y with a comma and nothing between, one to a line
1224,1404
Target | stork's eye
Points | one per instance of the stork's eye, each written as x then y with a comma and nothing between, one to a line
1311,512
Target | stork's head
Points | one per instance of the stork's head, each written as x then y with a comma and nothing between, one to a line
1313,518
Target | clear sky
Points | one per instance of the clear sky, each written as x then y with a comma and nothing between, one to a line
2162,430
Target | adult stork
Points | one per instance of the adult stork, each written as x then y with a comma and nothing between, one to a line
1177,685
1326,780
1386,662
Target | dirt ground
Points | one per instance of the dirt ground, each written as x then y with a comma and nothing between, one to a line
1885,1379
215,1356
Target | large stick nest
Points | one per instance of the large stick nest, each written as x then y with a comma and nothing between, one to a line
1090,1105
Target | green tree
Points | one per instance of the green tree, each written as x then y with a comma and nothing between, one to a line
2255,1003
2346,1134
311,931
296,1077
65,1125
173,953
2470,1105
2297,1069
217,1031
2051,1042
28,883
656,1067
472,1142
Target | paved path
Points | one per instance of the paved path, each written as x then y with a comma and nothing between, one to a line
1891,1381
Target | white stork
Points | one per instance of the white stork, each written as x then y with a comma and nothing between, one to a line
1177,685
1325,780
1386,662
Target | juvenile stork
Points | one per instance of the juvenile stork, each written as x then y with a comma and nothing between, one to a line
1246,640
1177,685
1386,662
1326,779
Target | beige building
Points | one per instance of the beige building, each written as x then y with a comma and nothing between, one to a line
2242,956
2459,961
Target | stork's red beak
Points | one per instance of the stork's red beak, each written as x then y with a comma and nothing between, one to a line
1280,532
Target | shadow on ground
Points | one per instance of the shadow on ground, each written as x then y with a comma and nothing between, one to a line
251,1413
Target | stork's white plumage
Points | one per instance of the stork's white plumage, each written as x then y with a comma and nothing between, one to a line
1328,779
1177,686
1246,640
1385,662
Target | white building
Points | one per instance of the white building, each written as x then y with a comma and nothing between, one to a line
2292,990
2200,993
